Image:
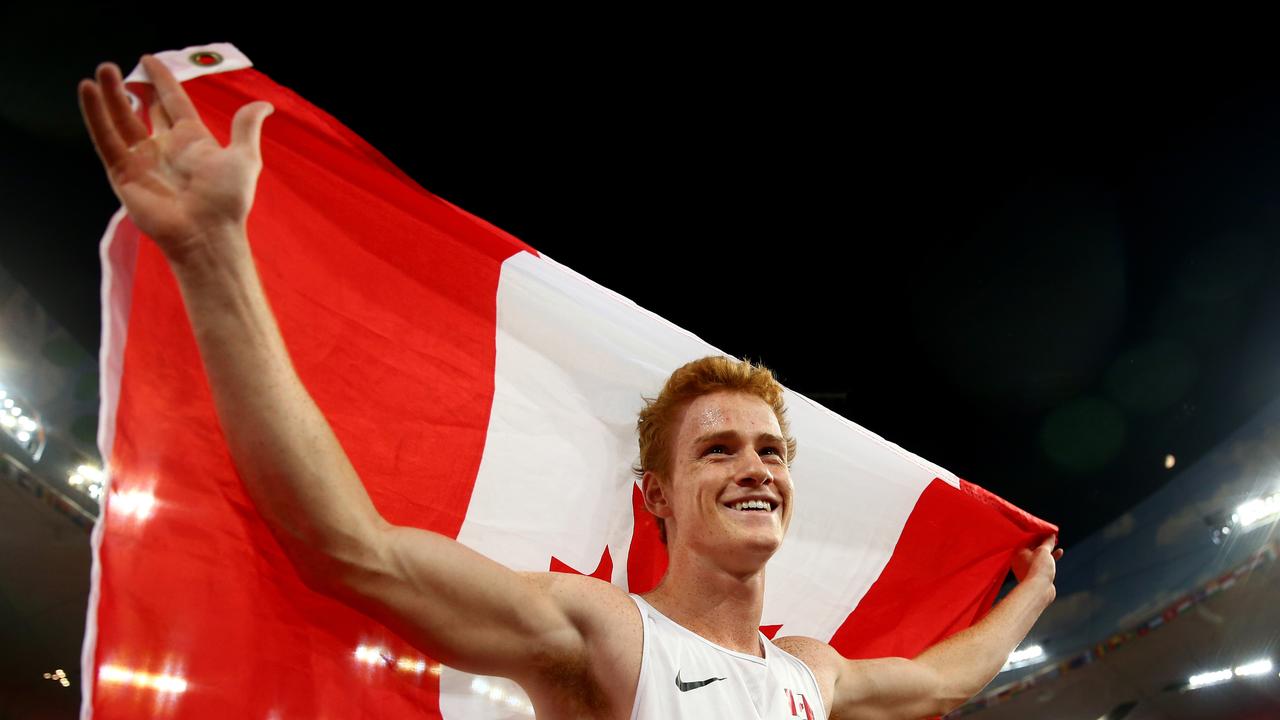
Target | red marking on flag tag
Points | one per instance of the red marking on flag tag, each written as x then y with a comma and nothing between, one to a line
206,59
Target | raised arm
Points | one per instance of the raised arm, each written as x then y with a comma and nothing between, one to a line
946,675
193,197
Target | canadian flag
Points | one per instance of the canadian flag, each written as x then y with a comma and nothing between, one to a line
482,391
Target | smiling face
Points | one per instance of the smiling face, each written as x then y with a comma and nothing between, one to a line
729,492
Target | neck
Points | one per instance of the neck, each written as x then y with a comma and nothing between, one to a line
722,606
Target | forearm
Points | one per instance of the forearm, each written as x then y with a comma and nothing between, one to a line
967,661
442,596
291,463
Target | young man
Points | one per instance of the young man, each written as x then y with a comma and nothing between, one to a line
715,454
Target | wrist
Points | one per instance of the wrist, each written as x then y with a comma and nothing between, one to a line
1041,587
210,252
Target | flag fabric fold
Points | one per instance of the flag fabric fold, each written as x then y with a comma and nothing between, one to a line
482,391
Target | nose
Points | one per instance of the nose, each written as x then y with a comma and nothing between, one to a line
756,473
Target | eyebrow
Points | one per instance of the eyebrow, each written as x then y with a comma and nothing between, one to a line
733,435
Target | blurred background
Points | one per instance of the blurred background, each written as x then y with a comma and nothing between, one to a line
1045,268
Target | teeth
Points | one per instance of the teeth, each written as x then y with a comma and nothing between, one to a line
752,505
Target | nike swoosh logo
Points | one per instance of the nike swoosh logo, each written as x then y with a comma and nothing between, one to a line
687,686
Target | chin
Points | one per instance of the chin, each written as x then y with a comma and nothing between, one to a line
740,553
761,547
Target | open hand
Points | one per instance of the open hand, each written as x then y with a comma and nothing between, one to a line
178,184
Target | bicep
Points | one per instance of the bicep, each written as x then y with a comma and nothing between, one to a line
880,689
885,689
460,607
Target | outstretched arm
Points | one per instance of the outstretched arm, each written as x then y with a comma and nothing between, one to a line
946,675
192,197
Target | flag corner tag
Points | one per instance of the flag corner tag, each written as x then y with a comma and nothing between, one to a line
196,61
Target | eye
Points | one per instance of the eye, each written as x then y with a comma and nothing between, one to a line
716,450
772,451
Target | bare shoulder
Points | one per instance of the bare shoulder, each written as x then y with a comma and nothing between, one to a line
589,602
821,658
823,661
600,679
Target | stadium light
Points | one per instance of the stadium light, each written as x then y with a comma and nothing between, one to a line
21,423
1023,657
1257,511
1209,678
1217,677
59,676
1257,667
89,480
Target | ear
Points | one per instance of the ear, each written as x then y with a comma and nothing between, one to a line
655,495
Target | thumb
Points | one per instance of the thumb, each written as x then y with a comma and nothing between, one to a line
246,127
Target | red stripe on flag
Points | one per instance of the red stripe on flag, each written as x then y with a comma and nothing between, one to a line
647,558
921,596
386,298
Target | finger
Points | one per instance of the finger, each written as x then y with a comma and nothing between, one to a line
159,118
101,130
127,123
169,91
246,127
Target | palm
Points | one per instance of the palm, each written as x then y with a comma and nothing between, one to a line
180,180
177,183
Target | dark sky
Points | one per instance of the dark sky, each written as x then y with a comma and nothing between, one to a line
1042,273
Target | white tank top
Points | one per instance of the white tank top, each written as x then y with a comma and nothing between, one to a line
684,675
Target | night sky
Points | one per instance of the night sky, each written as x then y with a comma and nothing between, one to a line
1044,276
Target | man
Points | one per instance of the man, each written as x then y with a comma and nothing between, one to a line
715,463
